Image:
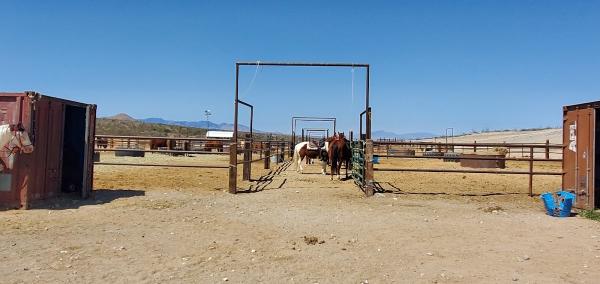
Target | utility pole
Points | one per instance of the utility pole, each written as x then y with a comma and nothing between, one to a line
452,131
207,113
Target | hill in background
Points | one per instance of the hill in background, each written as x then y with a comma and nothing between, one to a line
192,124
121,116
109,126
122,125
198,124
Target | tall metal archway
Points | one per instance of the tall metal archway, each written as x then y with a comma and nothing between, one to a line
233,155
295,120
307,132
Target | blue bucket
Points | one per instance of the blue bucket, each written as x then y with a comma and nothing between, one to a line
566,200
548,199
560,207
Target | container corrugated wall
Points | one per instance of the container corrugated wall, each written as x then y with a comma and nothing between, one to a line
39,175
579,156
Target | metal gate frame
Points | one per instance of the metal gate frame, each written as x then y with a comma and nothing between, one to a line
358,162
306,132
295,120
362,165
367,111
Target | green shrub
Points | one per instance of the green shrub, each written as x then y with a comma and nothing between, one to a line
590,214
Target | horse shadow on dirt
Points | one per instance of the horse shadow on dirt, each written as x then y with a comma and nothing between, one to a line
73,201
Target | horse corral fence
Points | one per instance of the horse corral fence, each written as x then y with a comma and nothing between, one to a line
184,146
365,151
363,154
461,152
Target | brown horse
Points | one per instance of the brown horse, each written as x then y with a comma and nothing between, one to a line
101,142
162,143
213,145
339,152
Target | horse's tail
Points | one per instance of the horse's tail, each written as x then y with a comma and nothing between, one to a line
348,156
335,157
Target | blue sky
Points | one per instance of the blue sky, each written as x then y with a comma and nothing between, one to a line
435,64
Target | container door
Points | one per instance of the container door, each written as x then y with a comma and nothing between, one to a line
578,163
90,132
56,116
36,185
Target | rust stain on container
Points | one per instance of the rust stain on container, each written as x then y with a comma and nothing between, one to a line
579,155
59,130
494,162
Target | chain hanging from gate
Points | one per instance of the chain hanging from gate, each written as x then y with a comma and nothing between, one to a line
358,162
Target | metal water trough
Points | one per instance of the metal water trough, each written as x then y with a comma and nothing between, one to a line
452,157
480,161
401,152
129,152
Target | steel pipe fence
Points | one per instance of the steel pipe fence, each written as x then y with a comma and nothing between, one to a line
143,144
443,148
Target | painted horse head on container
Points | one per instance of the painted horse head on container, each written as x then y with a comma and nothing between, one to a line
13,139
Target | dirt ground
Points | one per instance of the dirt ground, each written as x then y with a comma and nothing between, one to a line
155,225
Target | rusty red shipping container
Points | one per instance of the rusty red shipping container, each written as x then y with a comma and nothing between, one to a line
61,163
580,130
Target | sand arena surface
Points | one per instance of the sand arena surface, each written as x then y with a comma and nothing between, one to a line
156,225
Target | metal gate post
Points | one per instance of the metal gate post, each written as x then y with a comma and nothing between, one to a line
268,155
531,171
233,168
247,157
233,145
369,187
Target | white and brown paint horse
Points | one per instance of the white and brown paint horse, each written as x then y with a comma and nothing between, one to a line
13,139
303,151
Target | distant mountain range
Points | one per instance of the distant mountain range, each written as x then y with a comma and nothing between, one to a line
228,126
197,124
405,136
